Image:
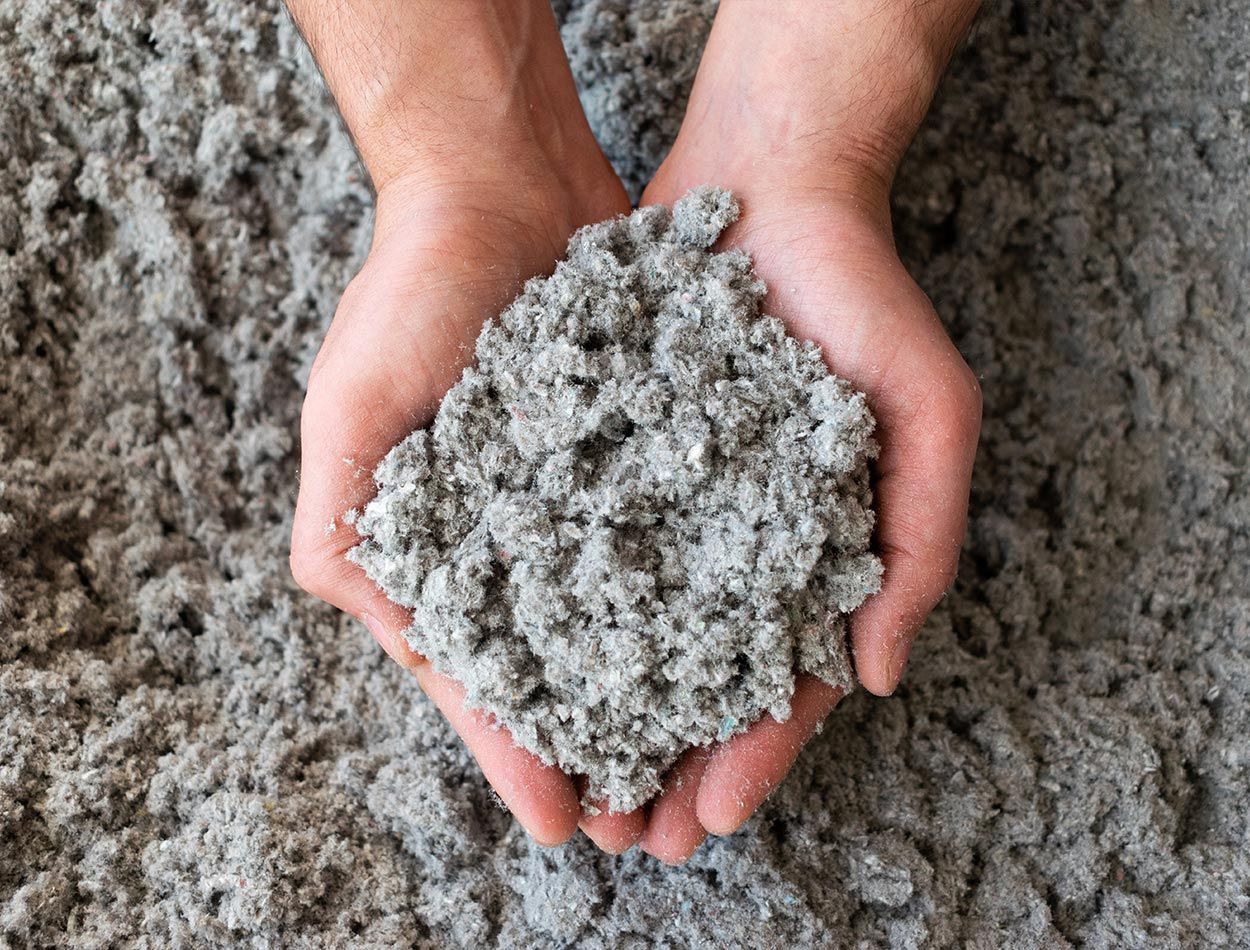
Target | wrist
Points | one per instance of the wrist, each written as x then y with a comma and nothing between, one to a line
439,91
825,98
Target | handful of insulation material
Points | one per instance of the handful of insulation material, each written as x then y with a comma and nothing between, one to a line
639,514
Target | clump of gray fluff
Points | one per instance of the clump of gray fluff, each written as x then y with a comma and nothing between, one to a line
640,513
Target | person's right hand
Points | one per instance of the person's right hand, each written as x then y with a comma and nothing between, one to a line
478,190
444,260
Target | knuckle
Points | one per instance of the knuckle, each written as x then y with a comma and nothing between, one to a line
351,302
307,567
974,399
354,295
909,539
960,405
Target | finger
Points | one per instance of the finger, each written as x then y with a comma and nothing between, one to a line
613,832
322,568
540,796
744,771
535,793
923,478
674,831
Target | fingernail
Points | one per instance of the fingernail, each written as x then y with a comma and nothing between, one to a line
729,824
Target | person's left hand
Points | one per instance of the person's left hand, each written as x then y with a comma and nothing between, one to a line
816,222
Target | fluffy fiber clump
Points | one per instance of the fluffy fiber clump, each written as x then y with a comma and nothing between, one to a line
640,513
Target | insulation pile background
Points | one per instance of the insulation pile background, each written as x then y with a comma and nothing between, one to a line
192,749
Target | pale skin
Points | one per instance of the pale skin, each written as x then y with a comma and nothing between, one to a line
466,117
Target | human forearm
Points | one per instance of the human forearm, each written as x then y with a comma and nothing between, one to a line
838,86
427,85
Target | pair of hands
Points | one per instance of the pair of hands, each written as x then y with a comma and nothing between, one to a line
480,185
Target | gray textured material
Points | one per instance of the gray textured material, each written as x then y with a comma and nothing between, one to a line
638,513
634,64
191,749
